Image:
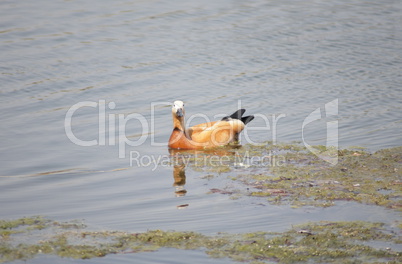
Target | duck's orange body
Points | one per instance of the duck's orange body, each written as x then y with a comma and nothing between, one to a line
206,135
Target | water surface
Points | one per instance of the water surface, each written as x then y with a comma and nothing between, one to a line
281,60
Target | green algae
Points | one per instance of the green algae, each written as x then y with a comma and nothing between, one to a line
9,227
303,178
36,222
291,173
329,242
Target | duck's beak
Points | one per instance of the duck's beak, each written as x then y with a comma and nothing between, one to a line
179,112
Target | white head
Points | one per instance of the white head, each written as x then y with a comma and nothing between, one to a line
178,108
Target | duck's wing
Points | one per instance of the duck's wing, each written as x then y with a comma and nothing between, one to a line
199,128
219,133
239,115
236,115
204,125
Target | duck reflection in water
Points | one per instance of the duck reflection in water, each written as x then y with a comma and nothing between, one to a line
179,172
179,176
181,158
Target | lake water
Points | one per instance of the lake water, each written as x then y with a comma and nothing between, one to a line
115,67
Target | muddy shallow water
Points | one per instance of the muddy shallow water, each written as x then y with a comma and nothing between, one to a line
280,60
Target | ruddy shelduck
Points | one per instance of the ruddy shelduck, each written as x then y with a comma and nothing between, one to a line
206,135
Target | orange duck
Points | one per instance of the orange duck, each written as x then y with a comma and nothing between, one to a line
206,135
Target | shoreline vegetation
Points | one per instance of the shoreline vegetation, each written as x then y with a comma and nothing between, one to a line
300,179
329,242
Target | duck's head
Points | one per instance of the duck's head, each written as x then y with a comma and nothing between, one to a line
178,109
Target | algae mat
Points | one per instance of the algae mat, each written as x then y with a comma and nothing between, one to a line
291,174
337,242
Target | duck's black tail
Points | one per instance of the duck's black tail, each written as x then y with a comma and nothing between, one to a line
239,115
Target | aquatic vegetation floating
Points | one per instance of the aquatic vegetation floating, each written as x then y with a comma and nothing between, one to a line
289,173
359,176
329,242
